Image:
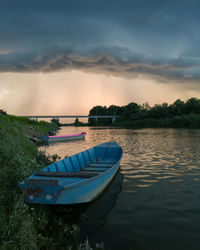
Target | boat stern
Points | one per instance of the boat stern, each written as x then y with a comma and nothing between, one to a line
41,191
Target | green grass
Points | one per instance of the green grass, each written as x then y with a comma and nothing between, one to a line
25,226
41,126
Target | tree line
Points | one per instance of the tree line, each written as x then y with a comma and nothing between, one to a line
180,114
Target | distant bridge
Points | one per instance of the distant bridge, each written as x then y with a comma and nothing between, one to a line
113,117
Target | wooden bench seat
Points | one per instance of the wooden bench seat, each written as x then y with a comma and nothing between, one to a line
92,169
100,165
66,174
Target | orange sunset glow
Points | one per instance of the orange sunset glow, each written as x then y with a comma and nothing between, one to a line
76,92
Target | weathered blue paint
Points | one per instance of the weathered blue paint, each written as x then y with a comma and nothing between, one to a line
76,179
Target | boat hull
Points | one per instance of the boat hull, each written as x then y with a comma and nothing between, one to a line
89,191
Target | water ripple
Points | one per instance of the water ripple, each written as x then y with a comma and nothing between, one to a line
158,207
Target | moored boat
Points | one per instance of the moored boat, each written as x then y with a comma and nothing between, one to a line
79,178
69,137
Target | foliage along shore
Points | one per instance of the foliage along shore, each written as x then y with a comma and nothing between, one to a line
180,114
24,226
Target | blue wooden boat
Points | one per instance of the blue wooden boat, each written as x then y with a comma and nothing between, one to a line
79,178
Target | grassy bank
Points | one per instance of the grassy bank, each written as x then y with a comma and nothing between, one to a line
25,226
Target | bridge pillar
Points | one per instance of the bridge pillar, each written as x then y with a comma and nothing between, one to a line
113,119
36,118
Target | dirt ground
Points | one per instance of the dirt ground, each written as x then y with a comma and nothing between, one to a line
31,132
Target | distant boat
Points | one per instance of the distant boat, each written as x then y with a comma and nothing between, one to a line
70,137
51,132
79,178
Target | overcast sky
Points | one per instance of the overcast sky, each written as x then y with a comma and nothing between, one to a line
51,52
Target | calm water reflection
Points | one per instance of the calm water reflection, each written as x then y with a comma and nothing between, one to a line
158,206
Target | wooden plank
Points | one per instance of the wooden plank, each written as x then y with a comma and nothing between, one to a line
104,162
100,165
94,169
66,174
46,182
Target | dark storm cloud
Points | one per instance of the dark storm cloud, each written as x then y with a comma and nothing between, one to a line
158,38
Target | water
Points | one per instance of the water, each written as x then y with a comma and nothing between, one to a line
158,207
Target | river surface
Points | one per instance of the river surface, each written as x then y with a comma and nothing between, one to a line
158,203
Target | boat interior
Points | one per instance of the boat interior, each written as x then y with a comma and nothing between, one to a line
86,164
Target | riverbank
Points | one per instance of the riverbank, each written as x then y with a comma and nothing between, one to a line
191,121
25,226
180,114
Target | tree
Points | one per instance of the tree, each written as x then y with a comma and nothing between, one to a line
76,122
192,106
98,110
2,112
114,110
129,110
159,111
55,121
178,107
